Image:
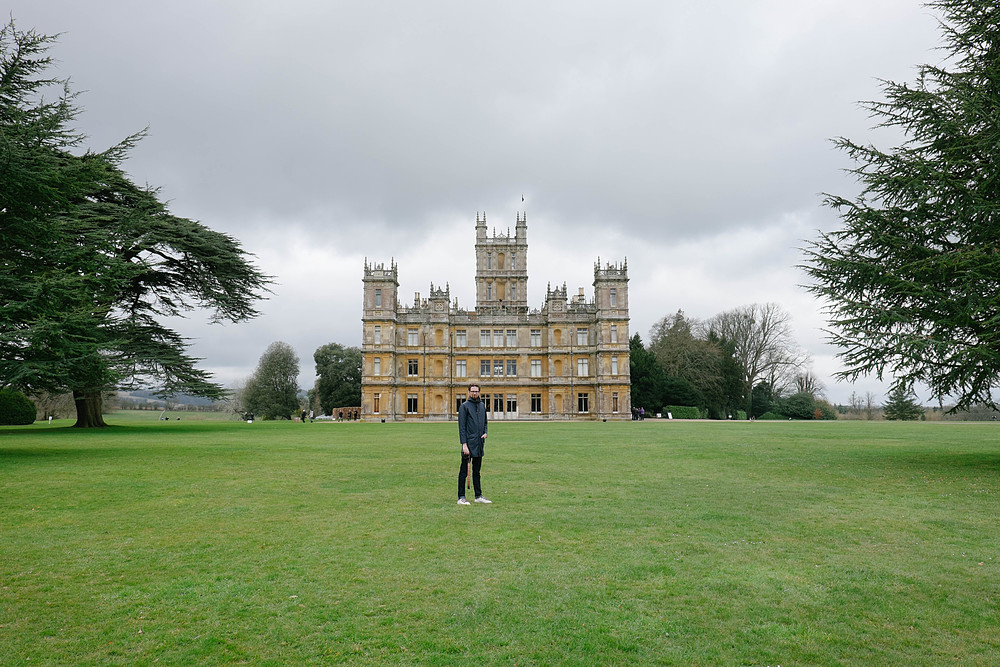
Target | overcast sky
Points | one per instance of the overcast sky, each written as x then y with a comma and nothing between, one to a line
692,138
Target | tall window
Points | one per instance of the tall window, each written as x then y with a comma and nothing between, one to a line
511,337
412,337
484,368
512,368
614,297
489,260
497,402
581,336
461,339
498,338
511,402
513,291
484,338
583,402
498,367
614,333
376,403
536,338
582,367
489,291
411,404
378,298
460,368
536,402
378,334
536,368
614,401
412,367
377,366
614,365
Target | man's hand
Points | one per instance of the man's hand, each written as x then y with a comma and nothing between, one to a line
465,449
484,435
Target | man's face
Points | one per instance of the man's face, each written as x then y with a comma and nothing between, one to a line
473,391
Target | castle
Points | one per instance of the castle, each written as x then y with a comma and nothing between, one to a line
568,360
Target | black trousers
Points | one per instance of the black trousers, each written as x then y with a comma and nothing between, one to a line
463,474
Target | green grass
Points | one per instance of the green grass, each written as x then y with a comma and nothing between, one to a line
199,542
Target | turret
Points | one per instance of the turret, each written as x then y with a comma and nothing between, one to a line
381,287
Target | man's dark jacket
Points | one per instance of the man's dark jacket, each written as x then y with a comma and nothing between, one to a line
472,425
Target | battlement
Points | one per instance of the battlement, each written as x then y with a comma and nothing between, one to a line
380,271
519,237
611,271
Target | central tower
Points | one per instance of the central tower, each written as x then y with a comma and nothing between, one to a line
502,268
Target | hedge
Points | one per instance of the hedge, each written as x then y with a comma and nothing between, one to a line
16,409
682,411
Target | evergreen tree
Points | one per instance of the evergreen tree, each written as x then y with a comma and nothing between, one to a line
901,405
90,262
912,279
648,378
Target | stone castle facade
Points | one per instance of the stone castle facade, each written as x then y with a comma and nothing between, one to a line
567,360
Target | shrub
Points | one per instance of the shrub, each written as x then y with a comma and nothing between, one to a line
16,408
683,411
772,415
824,410
798,406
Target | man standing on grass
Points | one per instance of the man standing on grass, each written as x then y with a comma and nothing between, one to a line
472,435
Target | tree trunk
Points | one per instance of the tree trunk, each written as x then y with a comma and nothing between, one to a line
89,405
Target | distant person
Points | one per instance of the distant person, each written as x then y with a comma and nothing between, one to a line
304,416
311,415
472,436
340,415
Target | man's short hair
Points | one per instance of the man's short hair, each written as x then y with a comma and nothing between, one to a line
474,385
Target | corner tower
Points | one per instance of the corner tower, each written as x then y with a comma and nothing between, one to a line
611,302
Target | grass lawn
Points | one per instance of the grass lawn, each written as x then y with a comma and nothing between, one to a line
691,543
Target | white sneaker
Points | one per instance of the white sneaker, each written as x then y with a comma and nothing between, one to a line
480,499
463,501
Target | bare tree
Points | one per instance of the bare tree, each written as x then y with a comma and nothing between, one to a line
870,407
763,346
857,403
808,383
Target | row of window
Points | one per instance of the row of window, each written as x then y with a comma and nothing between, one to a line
494,337
613,293
498,402
495,367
